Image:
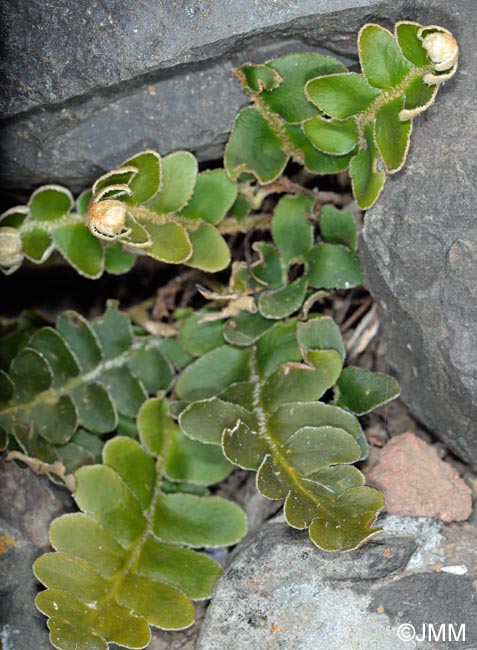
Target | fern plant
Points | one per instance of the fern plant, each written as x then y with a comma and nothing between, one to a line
125,561
307,107
262,383
260,400
310,108
159,207
331,263
67,386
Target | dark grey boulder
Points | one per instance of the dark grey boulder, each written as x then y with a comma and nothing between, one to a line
419,250
67,49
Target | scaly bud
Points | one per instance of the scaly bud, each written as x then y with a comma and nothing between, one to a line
11,248
107,218
442,49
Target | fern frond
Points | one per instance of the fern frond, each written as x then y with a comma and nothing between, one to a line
125,561
261,403
68,384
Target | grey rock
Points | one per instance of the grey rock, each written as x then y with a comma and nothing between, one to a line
85,88
448,599
282,592
65,49
28,504
419,251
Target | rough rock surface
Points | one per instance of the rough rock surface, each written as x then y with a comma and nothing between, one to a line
419,250
121,41
28,503
282,592
416,482
83,89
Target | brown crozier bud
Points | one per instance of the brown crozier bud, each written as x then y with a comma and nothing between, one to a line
442,49
107,217
11,247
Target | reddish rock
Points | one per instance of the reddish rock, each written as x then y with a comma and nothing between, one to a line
416,482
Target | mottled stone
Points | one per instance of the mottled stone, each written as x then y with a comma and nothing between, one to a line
427,601
282,592
416,482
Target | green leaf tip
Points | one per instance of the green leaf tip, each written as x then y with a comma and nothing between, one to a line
361,391
254,147
185,460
